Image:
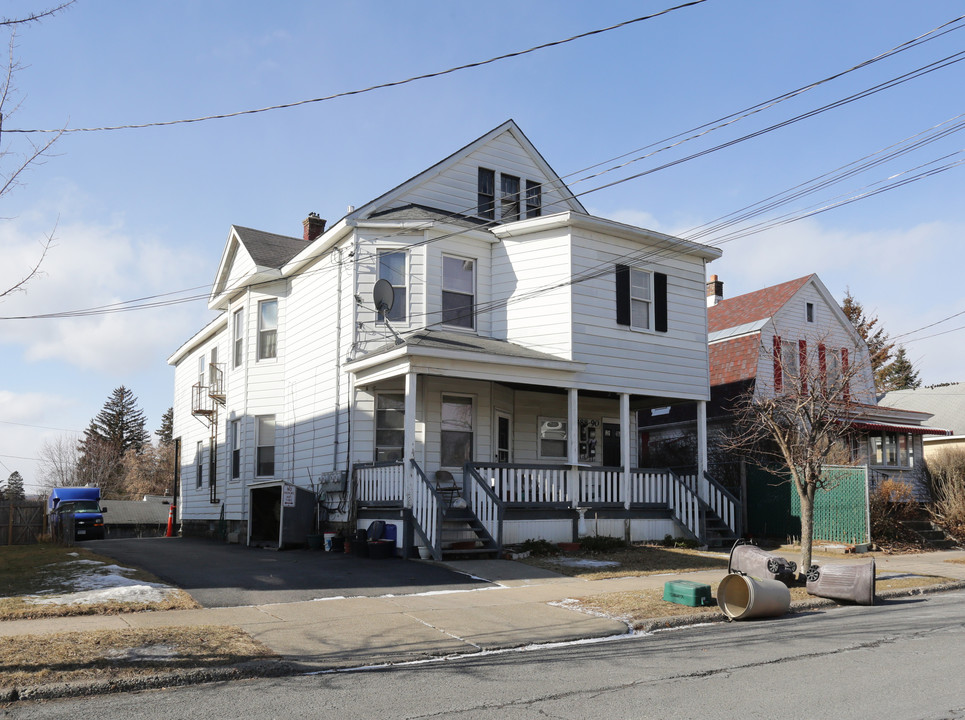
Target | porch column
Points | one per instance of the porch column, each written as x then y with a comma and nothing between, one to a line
573,445
625,448
408,438
701,440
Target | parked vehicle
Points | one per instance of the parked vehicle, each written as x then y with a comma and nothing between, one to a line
76,509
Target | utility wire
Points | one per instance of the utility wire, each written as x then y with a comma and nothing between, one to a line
380,86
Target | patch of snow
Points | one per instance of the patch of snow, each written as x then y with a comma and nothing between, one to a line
150,653
87,582
584,562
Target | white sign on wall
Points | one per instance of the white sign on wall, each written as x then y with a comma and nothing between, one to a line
288,495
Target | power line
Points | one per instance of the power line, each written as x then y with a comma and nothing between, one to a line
372,88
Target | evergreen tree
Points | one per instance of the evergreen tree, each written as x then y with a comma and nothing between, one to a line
15,489
900,373
166,432
120,423
119,428
879,346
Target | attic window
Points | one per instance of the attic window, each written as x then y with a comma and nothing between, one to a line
534,199
509,197
486,194
809,312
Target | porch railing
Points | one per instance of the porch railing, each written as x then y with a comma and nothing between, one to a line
427,509
382,482
484,503
600,486
526,484
685,505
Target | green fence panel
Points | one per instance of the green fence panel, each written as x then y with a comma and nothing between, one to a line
841,507
769,505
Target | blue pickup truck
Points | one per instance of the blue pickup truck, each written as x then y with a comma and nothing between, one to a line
79,508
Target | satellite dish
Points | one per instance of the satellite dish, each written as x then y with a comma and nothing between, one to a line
384,296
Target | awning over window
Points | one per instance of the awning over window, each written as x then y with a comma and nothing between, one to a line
911,429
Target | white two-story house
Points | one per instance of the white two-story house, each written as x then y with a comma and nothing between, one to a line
462,357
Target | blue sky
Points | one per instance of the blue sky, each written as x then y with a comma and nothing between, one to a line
147,211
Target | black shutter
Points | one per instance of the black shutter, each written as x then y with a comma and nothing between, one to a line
659,302
623,294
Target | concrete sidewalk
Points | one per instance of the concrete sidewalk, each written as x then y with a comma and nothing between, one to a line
516,611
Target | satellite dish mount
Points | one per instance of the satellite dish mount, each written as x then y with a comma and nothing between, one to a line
383,295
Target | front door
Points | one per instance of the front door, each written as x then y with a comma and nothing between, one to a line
611,445
504,437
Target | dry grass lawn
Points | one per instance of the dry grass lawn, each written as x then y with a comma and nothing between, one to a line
633,560
112,655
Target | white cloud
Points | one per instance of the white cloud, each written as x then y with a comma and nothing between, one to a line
96,266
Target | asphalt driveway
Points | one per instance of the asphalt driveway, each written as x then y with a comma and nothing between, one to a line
221,575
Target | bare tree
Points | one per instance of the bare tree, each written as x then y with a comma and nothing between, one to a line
149,472
802,423
58,463
15,162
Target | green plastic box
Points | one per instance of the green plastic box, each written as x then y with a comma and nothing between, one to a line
687,592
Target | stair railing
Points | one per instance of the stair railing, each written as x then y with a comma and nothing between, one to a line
427,509
722,501
484,503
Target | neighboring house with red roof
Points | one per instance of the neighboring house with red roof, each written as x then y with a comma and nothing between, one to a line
757,339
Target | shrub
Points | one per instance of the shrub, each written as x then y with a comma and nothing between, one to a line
891,503
946,471
537,547
601,543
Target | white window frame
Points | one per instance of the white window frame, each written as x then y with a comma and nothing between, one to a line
638,300
533,200
471,296
472,428
234,455
809,311
199,465
265,332
556,425
238,338
790,361
259,419
401,302
376,445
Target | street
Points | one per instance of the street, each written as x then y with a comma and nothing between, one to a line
900,659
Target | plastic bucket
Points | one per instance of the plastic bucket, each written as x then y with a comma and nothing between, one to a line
329,539
741,597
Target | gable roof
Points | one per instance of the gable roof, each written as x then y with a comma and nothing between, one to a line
268,249
440,167
946,404
753,306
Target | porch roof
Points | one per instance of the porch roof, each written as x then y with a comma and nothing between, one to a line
428,345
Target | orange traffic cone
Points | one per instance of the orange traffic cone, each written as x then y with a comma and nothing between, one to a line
171,521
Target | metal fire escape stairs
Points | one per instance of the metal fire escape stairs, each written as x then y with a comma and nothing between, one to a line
205,401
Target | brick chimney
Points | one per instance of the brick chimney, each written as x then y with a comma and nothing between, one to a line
715,291
314,226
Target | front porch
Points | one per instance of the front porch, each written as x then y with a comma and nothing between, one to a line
498,504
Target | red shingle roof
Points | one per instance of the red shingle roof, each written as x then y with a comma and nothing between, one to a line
753,306
734,360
